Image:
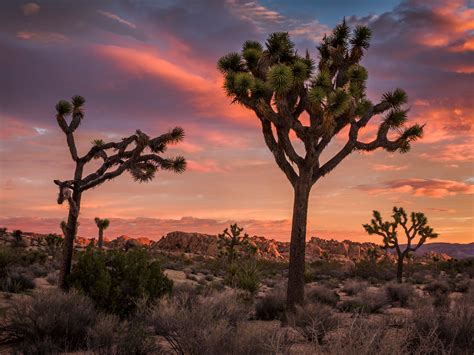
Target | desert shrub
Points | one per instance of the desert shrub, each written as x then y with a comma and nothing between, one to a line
354,287
313,321
452,331
324,269
7,258
51,320
457,327
199,325
54,241
38,270
17,280
439,290
244,275
384,271
365,302
13,257
402,293
136,339
104,334
52,278
251,338
454,266
271,306
322,294
365,337
330,283
418,277
116,280
248,277
461,283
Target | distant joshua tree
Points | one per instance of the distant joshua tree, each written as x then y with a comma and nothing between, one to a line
231,240
294,101
130,154
389,231
101,224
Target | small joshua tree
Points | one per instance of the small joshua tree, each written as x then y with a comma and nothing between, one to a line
138,154
101,224
284,89
389,231
232,240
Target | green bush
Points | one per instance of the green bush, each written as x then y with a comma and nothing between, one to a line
244,275
248,277
116,280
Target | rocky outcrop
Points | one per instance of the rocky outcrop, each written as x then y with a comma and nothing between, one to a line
195,243
346,252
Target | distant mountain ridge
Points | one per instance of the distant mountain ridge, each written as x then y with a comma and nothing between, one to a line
454,250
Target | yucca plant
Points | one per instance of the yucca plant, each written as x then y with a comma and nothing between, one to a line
281,86
102,224
139,154
389,232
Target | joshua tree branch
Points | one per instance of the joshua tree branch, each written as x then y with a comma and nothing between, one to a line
277,151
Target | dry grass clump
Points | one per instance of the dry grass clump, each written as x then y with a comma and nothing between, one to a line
353,287
439,290
16,280
323,295
365,302
402,293
50,322
313,321
365,337
271,306
214,324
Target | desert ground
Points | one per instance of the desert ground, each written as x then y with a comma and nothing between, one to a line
182,295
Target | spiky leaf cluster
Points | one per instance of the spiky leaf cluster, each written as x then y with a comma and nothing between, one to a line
280,85
102,223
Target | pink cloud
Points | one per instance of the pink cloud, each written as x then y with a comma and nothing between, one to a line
205,166
30,8
44,37
207,94
384,167
436,188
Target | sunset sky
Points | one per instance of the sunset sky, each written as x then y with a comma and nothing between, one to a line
152,65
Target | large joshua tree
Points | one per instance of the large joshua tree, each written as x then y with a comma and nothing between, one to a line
102,224
282,87
138,154
389,231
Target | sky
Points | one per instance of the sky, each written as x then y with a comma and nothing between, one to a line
151,65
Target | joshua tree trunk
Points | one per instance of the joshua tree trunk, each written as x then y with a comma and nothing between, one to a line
69,237
295,292
100,242
400,268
